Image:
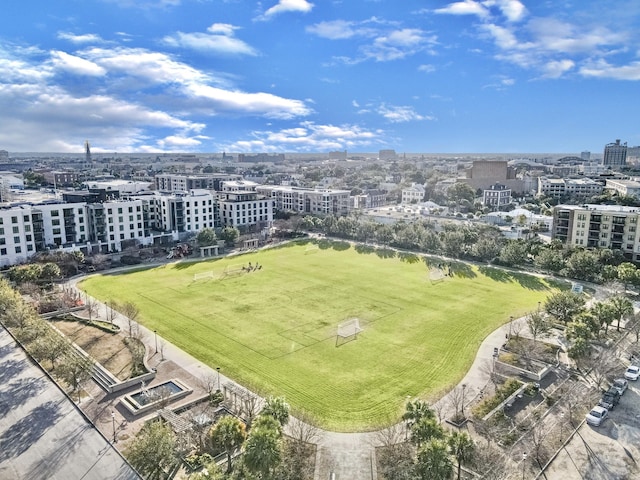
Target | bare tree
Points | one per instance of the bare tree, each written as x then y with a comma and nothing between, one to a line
111,310
131,312
91,306
538,324
301,430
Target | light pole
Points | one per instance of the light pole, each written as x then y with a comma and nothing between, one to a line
218,370
524,458
113,423
155,335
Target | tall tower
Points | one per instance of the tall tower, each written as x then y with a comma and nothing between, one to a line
615,154
87,153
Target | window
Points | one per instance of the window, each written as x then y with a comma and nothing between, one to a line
82,228
16,230
29,248
1,230
2,241
120,210
122,236
56,231
18,249
55,221
26,218
3,251
27,228
29,238
112,237
130,209
111,228
55,213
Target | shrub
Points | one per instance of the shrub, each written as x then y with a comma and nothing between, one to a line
502,393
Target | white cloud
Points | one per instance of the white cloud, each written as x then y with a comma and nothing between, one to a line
466,7
557,68
401,114
513,10
335,29
79,39
79,66
220,39
427,68
602,69
179,141
308,137
287,6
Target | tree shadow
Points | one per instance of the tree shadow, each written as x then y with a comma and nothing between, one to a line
19,392
365,249
529,282
10,369
324,244
460,269
385,253
408,257
28,430
495,274
340,246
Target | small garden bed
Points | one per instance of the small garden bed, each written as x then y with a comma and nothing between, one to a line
503,392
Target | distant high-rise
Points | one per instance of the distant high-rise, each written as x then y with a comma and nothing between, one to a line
586,156
615,154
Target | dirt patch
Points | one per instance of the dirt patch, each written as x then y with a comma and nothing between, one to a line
107,348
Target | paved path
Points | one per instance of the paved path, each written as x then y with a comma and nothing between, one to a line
351,456
42,434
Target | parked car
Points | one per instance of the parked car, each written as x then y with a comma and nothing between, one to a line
632,373
597,415
621,385
610,399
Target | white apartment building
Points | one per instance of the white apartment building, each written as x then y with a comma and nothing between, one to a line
624,187
497,196
307,200
577,187
242,207
413,194
169,182
182,211
599,226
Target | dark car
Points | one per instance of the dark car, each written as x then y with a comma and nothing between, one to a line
610,399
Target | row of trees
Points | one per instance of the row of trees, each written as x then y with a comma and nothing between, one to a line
430,453
208,236
261,451
41,341
478,242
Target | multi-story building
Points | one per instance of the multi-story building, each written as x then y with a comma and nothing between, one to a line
624,187
413,194
598,226
498,196
576,187
387,155
615,154
62,179
261,158
307,200
182,211
369,199
484,173
170,182
242,207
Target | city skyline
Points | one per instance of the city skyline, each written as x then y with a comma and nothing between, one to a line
308,76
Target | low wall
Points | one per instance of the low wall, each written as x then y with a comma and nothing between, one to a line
537,376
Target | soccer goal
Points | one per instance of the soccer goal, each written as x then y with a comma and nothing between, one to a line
203,275
235,269
311,249
436,275
348,331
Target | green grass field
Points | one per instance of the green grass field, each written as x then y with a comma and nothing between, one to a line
274,330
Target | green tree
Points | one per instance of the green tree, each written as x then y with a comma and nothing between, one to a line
75,369
433,462
538,324
514,253
550,260
461,447
206,237
153,450
622,307
229,235
584,265
263,449
277,408
627,273
229,433
563,306
604,314
425,430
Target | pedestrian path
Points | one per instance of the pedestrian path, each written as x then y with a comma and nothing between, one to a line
349,456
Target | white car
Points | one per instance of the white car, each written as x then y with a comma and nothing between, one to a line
597,415
620,384
632,373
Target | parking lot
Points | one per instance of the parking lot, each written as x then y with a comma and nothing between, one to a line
608,452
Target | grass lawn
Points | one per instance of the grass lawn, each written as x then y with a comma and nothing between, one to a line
274,329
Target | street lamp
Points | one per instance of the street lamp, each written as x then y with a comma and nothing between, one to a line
218,370
113,422
524,458
155,334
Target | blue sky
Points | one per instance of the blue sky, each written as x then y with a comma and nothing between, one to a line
321,75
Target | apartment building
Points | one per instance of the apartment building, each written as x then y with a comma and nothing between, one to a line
576,187
615,154
498,196
624,187
413,194
598,226
241,206
306,200
169,182
182,211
